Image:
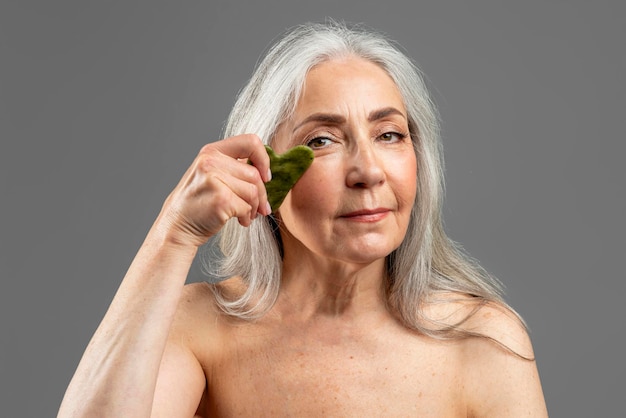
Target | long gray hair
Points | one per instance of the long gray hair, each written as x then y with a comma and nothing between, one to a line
427,262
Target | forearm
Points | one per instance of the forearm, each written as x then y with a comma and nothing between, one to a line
118,371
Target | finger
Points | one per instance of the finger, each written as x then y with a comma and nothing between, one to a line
244,190
222,195
232,206
231,188
239,169
247,173
249,147
231,155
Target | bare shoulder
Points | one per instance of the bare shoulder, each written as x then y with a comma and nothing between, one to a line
499,370
504,327
195,304
199,320
474,317
196,314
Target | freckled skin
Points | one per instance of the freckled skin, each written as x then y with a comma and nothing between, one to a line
329,346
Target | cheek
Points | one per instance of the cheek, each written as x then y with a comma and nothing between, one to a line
310,195
310,192
411,179
403,175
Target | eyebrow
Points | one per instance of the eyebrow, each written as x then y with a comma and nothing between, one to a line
383,113
334,119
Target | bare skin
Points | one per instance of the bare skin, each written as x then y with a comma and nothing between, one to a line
350,364
329,346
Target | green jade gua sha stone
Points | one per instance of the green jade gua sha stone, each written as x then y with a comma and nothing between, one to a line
286,170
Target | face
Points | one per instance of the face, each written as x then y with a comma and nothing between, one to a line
354,202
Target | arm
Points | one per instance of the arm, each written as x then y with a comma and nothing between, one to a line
181,381
118,372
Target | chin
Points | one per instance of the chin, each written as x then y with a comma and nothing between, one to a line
365,254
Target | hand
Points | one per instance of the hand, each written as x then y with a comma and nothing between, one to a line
218,185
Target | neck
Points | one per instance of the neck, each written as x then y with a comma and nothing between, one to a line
313,286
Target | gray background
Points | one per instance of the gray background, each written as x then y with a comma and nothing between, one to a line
104,104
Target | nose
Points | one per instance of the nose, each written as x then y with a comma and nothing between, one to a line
364,167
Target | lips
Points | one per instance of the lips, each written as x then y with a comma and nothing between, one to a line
366,215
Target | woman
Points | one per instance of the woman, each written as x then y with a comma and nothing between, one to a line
348,301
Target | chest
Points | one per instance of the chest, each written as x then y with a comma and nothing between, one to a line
264,376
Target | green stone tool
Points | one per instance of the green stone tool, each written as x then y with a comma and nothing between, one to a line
286,170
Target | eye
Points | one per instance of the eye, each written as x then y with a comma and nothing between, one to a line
319,142
392,137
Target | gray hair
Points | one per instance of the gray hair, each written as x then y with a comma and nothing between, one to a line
427,262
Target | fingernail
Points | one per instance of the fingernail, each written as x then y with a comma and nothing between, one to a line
269,174
268,208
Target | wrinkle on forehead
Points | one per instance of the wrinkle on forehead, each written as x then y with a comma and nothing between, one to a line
340,89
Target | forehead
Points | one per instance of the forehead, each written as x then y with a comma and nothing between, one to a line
348,82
